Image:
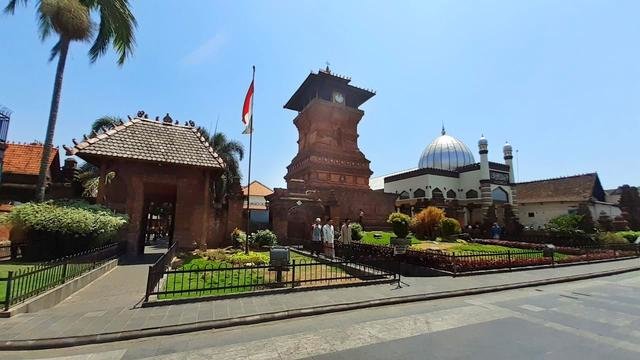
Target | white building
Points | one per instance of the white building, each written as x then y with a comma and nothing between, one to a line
448,175
542,200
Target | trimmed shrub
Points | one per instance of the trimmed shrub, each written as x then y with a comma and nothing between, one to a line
356,231
250,258
450,226
264,238
631,236
400,223
57,228
609,238
239,237
425,223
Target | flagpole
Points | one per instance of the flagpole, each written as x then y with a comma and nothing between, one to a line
246,242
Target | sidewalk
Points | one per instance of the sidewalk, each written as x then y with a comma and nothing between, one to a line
111,303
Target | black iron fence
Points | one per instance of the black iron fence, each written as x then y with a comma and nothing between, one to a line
227,279
157,270
471,261
30,280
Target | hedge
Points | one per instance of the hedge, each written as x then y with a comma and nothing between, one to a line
57,228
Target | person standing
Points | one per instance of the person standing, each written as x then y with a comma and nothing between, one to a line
316,237
328,234
360,218
345,232
495,231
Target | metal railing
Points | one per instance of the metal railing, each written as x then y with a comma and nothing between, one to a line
22,284
470,261
157,270
227,279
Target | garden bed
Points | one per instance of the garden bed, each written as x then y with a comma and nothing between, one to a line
218,273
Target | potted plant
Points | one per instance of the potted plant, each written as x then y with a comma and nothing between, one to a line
400,224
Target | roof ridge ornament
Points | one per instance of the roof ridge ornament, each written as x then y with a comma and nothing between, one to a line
444,132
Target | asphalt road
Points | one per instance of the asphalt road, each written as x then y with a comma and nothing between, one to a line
592,319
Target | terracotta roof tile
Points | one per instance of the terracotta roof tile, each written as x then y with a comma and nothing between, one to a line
144,139
24,159
571,188
257,189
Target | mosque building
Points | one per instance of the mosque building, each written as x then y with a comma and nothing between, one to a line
449,177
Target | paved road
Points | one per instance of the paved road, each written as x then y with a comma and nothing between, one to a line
591,319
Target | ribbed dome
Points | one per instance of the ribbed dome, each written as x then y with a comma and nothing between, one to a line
447,153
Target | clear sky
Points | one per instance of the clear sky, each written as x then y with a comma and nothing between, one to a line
559,79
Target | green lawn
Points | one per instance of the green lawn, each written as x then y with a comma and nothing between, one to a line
369,238
450,247
4,272
244,280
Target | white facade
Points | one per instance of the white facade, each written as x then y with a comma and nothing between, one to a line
537,215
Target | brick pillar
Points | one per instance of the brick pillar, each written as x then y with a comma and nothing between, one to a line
485,196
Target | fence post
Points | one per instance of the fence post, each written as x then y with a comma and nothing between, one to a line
509,257
7,296
455,266
64,271
149,281
293,273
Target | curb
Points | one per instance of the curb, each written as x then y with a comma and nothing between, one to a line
50,343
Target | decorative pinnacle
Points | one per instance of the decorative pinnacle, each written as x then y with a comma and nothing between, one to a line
443,131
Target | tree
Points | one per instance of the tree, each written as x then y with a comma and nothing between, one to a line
425,223
489,219
106,122
71,21
232,152
586,222
630,205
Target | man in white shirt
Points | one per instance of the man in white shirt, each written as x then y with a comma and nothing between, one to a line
328,233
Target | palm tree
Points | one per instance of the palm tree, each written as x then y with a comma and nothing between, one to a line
88,173
71,21
107,121
231,151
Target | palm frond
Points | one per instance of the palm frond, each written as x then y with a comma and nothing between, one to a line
105,121
55,50
44,26
117,25
11,6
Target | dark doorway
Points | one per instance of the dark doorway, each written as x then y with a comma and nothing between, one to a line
158,218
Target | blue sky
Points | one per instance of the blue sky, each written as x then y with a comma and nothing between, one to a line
559,79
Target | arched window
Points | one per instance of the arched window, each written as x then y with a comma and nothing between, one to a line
419,193
472,194
403,195
500,196
451,194
437,194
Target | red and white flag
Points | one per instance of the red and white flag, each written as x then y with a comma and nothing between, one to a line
247,111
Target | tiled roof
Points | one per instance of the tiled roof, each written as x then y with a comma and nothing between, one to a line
570,188
148,140
24,159
257,189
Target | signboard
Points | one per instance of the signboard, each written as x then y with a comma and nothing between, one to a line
399,249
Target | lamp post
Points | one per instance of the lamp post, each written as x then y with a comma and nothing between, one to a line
5,117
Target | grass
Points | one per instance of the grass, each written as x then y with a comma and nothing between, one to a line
368,238
244,280
456,247
4,272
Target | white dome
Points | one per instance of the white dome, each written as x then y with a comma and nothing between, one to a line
447,153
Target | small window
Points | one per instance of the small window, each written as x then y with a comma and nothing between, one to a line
403,195
531,214
437,194
419,193
451,194
472,194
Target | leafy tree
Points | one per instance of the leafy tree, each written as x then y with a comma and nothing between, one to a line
630,205
586,222
489,219
425,223
71,21
512,224
565,223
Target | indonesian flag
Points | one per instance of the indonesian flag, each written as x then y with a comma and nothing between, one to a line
247,111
